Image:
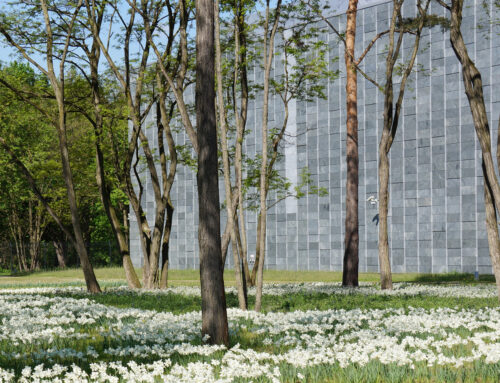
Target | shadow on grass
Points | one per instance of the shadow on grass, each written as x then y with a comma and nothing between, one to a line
453,278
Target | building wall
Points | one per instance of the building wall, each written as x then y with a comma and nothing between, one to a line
436,214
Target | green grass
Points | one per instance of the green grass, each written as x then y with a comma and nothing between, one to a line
318,301
110,276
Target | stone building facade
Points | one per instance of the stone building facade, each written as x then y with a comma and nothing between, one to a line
436,214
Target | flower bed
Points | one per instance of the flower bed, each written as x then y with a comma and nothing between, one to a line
56,338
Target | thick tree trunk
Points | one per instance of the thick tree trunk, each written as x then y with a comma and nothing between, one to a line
351,241
213,298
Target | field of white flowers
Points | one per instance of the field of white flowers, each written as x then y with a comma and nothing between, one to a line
48,336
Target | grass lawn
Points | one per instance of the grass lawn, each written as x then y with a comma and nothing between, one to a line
429,329
112,276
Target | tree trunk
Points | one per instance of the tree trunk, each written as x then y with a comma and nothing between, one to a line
58,87
104,191
268,54
225,159
240,69
60,249
213,298
351,242
383,200
88,271
226,237
492,229
253,276
165,246
474,91
391,121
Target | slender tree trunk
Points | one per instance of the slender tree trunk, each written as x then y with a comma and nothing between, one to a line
88,271
59,247
492,229
165,246
118,232
268,54
226,236
58,87
391,120
240,69
213,298
225,160
253,277
474,91
383,167
351,242
383,200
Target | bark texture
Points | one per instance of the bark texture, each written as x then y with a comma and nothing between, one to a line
213,306
492,230
474,90
351,241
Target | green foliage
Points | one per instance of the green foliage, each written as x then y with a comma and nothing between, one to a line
35,141
303,53
431,20
32,139
279,184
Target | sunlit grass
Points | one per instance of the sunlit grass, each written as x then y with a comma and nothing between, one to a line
115,276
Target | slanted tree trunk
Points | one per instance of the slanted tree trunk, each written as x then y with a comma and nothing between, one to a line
474,90
58,87
93,55
351,241
213,298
